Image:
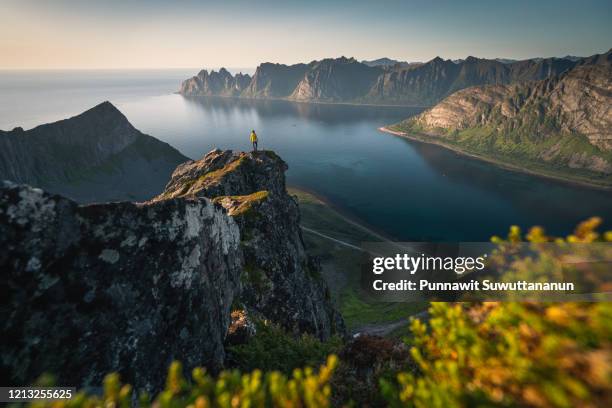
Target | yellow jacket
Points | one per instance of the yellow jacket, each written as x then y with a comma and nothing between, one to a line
253,137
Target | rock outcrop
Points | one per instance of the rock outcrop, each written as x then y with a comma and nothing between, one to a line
220,83
130,287
280,281
384,81
96,156
123,287
565,120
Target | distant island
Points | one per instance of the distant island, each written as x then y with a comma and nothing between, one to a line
558,127
381,82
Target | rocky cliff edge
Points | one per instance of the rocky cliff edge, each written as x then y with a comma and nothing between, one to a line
130,287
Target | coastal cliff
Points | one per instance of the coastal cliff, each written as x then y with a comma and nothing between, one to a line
280,281
384,81
335,80
561,124
220,83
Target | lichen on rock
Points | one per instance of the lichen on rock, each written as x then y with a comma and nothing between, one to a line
113,287
280,282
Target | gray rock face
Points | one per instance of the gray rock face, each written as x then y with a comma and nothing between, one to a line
87,290
279,280
96,156
128,287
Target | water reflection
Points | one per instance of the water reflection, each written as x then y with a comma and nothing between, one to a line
328,114
408,190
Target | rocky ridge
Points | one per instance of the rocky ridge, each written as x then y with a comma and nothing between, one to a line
565,120
382,82
130,287
93,157
220,83
280,281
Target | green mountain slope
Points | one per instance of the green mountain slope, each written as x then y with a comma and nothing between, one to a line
561,126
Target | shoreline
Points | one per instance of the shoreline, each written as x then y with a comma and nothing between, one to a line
496,162
342,214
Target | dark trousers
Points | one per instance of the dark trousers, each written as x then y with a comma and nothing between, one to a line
255,145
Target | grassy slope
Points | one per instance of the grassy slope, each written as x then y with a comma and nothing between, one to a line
341,264
515,151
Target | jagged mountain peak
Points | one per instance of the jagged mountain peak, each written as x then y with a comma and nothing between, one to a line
345,79
383,62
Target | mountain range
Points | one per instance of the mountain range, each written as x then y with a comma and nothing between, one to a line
559,126
383,81
92,157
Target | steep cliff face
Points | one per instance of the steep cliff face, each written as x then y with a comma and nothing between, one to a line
565,120
419,86
280,281
336,80
130,287
115,287
220,83
275,80
386,82
428,83
95,156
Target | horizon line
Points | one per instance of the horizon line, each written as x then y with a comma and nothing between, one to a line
283,63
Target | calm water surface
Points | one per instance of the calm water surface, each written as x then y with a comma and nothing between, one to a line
407,190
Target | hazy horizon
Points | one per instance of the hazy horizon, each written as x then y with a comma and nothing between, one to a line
189,34
250,70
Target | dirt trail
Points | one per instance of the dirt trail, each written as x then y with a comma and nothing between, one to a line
383,329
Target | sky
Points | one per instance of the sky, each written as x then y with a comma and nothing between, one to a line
131,34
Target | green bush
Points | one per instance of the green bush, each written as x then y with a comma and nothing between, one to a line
511,354
304,388
274,349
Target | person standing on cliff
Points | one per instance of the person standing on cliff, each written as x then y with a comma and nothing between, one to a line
254,140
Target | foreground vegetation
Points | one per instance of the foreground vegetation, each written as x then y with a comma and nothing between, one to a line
467,354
